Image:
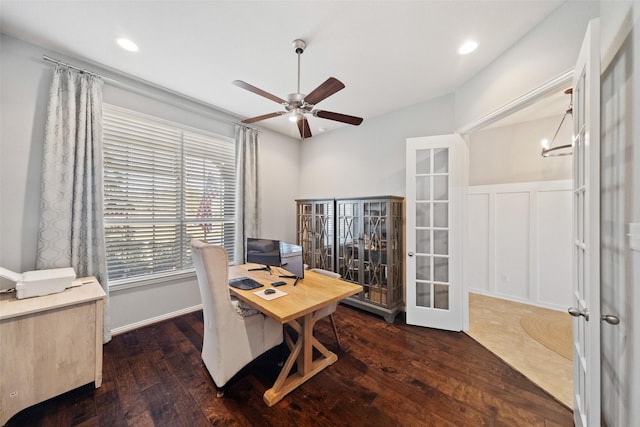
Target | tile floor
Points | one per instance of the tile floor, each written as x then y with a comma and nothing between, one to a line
495,323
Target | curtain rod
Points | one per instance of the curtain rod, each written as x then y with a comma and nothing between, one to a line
123,85
78,69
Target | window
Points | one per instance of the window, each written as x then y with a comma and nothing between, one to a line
164,184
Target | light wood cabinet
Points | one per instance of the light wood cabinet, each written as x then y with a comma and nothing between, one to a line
315,232
49,345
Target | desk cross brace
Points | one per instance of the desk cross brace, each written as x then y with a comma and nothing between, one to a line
301,352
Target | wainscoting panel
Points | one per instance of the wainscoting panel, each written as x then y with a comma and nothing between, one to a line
554,218
512,243
478,265
519,242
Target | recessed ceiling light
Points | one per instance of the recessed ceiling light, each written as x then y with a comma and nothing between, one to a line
127,44
467,47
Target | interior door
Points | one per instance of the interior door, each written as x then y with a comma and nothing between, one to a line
586,217
436,181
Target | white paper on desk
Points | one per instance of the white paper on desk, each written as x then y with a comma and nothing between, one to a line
269,297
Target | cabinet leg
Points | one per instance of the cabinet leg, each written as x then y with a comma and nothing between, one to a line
390,318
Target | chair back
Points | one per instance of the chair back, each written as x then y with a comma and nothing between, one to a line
230,340
212,268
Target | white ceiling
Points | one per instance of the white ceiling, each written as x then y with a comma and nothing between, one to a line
390,54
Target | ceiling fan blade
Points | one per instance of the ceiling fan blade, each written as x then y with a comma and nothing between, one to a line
258,91
325,90
352,120
263,117
303,127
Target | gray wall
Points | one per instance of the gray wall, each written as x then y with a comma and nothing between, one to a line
369,160
24,80
24,83
547,51
511,153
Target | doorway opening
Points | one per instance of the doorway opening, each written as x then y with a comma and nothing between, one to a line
519,229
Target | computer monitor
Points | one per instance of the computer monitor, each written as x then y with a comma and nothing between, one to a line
292,260
263,251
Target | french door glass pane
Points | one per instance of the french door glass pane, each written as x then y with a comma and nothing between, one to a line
423,267
580,167
581,267
441,160
580,222
423,241
423,214
441,242
423,188
441,215
423,161
441,296
440,187
440,269
579,99
423,294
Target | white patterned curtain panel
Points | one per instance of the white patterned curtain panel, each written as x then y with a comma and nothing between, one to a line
248,197
71,232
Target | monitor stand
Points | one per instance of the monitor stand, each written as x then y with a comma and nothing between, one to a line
291,277
265,268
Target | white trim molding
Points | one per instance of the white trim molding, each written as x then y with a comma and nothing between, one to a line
519,242
150,321
553,85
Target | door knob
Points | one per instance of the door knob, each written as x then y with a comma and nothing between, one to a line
576,312
410,254
610,319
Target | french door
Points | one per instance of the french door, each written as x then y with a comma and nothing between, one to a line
586,219
434,210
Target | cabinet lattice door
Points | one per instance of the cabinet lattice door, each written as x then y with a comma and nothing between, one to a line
315,232
360,238
369,244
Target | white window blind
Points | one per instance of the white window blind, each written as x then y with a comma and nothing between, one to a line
165,184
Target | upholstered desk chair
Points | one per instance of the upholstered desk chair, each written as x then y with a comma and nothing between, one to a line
233,335
330,309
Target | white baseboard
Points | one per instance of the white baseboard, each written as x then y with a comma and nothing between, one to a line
555,307
147,322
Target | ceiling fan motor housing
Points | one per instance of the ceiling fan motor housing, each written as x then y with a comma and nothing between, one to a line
299,46
295,99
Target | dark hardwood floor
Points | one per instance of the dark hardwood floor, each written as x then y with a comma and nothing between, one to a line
386,375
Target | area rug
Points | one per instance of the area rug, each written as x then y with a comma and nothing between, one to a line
551,329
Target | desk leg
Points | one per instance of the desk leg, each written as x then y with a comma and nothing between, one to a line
302,351
307,343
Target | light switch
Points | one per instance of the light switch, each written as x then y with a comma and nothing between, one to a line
634,236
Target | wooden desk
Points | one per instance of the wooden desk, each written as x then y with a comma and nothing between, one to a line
49,345
298,309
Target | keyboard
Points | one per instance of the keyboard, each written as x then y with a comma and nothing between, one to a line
244,283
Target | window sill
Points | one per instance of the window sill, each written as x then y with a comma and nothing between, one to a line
120,285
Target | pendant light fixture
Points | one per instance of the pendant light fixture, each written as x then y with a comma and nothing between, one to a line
548,149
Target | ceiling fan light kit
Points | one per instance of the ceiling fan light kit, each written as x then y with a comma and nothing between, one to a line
298,105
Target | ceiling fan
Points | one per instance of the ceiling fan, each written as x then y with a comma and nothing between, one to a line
299,104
